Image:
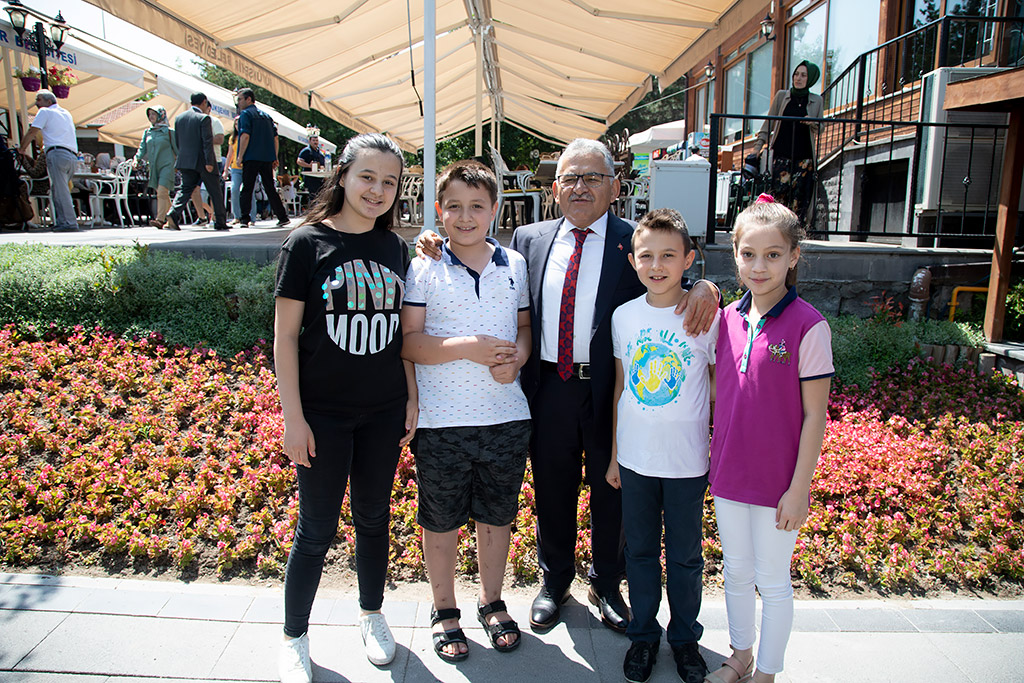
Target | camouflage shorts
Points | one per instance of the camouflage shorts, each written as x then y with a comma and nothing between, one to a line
470,472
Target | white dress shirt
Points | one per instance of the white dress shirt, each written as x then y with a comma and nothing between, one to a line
586,289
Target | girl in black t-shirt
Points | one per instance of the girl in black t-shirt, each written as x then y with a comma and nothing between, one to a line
349,401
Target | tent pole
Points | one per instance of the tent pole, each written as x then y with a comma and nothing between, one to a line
478,136
429,112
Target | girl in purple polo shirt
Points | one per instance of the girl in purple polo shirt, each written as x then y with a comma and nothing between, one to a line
774,368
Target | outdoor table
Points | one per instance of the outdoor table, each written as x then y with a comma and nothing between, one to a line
318,174
94,182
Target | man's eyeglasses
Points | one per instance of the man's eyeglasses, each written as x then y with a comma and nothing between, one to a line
592,180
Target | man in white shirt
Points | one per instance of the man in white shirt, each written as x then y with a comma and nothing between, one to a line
57,130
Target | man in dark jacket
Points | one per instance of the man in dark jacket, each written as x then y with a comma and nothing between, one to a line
197,161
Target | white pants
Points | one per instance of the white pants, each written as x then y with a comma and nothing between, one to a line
756,553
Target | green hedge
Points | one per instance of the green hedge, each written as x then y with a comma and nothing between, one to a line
225,305
860,345
229,305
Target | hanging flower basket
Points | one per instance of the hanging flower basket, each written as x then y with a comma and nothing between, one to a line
61,91
31,83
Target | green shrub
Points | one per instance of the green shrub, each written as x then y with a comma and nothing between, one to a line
861,345
225,305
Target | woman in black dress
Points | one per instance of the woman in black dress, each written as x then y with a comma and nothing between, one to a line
792,143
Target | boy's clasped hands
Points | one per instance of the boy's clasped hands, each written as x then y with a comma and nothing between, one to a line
499,355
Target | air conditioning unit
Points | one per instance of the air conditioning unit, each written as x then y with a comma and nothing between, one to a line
949,155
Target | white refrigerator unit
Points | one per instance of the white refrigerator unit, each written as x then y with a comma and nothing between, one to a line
683,186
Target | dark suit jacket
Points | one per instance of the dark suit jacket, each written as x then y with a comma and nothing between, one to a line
193,131
618,284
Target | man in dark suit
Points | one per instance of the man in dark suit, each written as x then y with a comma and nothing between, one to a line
193,130
570,384
570,375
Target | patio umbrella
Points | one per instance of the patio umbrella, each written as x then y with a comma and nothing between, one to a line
658,137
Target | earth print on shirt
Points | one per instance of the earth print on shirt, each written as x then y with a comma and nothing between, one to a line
350,323
656,366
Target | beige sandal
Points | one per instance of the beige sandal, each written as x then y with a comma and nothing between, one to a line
732,664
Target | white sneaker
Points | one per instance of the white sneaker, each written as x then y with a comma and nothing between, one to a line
293,660
377,638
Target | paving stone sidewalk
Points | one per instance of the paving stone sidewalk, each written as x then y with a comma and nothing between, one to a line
86,630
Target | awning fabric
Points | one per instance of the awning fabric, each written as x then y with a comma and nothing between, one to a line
174,90
104,81
564,68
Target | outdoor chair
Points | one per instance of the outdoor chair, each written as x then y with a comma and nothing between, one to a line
632,200
39,194
513,185
115,189
411,192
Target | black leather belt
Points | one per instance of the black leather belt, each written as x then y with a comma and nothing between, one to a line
579,370
66,149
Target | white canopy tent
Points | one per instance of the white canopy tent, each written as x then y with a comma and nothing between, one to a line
104,82
174,90
560,68
658,137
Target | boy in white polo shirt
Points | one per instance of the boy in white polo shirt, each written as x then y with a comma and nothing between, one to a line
663,384
466,322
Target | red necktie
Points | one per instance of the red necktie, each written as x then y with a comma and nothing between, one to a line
568,309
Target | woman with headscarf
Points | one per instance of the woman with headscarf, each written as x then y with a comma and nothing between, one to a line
159,148
792,143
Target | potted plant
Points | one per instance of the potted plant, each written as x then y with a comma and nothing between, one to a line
31,78
61,80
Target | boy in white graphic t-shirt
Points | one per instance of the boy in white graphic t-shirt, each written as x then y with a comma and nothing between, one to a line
663,388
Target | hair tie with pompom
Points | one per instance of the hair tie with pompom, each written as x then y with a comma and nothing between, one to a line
765,199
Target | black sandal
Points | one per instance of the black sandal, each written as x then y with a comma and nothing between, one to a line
499,629
444,638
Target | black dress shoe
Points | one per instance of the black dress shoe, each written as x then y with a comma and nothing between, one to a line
639,661
690,665
613,609
546,610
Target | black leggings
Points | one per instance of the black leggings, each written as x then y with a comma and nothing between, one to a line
365,449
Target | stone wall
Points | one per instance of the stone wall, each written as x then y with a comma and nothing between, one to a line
844,277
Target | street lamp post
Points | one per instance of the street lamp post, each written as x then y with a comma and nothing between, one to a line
58,30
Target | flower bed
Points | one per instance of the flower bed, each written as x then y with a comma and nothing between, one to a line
132,452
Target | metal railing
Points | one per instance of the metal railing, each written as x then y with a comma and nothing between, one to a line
936,182
882,83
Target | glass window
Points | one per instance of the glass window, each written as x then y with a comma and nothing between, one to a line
852,30
807,41
759,84
735,87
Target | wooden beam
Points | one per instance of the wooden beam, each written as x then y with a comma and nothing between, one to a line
1006,227
1002,91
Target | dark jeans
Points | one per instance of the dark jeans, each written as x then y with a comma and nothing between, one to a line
363,448
265,170
563,431
644,500
190,180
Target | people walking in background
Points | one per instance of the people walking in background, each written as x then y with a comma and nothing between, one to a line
258,149
466,323
160,149
348,399
663,391
54,125
772,380
193,131
233,171
793,161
